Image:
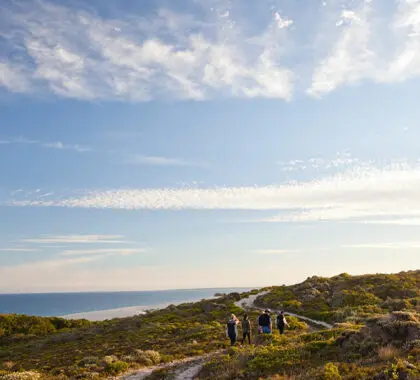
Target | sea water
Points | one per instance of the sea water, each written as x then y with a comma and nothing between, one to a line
101,305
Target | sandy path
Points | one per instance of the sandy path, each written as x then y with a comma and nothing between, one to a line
183,369
145,372
189,373
189,368
250,304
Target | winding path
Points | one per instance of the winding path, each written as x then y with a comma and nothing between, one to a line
189,368
250,304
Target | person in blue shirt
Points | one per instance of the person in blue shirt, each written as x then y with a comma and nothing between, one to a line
264,322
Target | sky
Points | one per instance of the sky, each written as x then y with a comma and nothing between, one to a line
165,145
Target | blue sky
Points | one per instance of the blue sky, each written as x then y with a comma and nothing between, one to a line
156,145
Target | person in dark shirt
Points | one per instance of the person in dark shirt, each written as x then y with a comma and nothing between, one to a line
264,322
232,329
246,329
281,322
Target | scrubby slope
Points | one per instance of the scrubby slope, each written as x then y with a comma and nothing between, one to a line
385,348
378,336
110,347
346,297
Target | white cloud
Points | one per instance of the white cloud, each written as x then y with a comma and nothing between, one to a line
281,22
52,145
110,239
137,159
75,53
341,161
274,251
367,48
392,245
116,251
12,78
397,222
351,58
360,194
60,145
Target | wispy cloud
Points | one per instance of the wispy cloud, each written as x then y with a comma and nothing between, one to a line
71,239
120,251
73,52
359,52
137,159
396,222
12,78
341,161
51,145
282,22
60,145
361,194
391,245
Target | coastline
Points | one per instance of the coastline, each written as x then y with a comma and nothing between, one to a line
122,312
99,306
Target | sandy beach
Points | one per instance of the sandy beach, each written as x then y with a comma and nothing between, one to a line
101,315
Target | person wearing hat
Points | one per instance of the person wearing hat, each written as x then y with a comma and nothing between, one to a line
264,322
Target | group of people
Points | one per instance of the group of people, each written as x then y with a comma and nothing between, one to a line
264,323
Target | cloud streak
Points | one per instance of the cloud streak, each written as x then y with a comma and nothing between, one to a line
57,145
136,159
391,245
120,251
77,239
363,193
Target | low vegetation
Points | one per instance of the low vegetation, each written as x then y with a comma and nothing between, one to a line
376,335
347,298
384,348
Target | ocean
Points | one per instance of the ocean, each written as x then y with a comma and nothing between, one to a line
101,305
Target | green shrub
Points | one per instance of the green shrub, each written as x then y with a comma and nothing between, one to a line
295,324
331,372
116,367
148,357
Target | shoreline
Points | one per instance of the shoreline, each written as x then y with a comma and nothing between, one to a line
102,306
122,312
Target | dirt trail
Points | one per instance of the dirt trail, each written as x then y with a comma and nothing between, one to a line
189,368
250,304
190,372
183,369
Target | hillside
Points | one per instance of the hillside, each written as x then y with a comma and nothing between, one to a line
346,297
376,335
